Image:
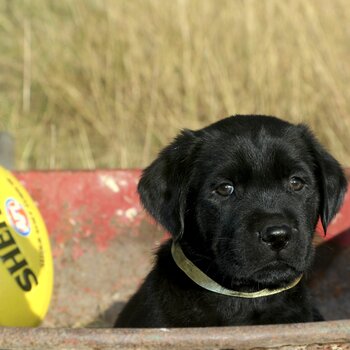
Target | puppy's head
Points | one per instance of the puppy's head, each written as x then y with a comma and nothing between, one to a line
245,193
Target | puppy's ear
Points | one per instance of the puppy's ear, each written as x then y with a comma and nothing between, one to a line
332,181
165,183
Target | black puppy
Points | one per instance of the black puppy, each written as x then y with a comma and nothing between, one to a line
241,199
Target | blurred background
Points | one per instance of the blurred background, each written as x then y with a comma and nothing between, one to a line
92,83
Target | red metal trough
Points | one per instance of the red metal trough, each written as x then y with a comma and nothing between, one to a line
102,243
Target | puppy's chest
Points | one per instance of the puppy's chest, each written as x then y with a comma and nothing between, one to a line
234,311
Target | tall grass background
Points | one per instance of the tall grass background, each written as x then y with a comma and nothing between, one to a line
92,83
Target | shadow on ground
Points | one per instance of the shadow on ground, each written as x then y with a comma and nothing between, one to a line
108,317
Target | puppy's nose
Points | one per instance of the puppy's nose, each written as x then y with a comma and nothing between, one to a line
277,237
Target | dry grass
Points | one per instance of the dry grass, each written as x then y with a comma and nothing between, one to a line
89,84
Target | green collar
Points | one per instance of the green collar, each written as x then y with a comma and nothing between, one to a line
199,277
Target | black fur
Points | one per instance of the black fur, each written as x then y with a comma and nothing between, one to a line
223,235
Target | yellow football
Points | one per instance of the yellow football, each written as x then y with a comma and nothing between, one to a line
26,268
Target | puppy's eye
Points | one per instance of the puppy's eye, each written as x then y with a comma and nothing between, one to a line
224,190
296,183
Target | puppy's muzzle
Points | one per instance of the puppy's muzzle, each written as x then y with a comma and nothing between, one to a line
276,237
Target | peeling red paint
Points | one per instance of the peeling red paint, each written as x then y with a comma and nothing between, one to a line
77,251
90,204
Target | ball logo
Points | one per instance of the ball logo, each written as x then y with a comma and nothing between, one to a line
17,216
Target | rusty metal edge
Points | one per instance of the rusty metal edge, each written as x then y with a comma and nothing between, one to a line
276,336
